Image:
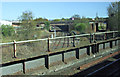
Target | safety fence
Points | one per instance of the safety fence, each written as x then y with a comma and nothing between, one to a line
31,48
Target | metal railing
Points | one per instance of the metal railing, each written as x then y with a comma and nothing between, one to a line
30,48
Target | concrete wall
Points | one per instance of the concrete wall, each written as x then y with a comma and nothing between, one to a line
11,69
55,58
100,46
69,54
107,44
34,63
76,53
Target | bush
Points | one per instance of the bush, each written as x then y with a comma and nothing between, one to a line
7,30
47,25
80,27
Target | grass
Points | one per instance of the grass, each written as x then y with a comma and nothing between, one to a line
40,34
27,50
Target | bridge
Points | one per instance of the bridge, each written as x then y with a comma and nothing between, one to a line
54,55
61,26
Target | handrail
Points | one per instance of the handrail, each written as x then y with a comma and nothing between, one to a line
57,38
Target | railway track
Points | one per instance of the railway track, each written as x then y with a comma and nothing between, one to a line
107,68
111,69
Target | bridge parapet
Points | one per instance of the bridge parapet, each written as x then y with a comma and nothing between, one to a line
46,60
24,49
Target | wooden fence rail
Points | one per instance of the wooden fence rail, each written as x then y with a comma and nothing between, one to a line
92,40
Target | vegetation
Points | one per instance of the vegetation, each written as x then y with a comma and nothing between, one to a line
47,25
113,15
27,26
7,30
80,24
57,20
40,19
76,16
26,31
80,27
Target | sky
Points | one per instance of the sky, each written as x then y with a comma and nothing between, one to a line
54,10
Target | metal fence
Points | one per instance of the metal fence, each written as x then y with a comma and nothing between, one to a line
31,48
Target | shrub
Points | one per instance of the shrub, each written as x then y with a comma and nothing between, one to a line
47,25
7,30
80,27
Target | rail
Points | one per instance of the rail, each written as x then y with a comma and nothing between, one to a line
46,60
41,46
102,69
59,37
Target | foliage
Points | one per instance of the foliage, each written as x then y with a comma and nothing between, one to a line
80,27
7,30
27,26
113,15
47,25
56,20
82,20
40,19
101,27
76,16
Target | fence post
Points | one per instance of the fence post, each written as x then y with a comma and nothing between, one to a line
105,36
90,38
63,60
24,67
14,47
77,53
94,37
48,45
113,34
110,44
68,42
97,47
47,61
74,41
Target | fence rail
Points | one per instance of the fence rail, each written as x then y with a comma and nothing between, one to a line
30,48
59,37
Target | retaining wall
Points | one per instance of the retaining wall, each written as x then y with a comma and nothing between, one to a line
46,60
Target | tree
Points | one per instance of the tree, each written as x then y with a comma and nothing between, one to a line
113,15
27,26
47,25
7,30
56,20
76,16
40,19
78,21
80,27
